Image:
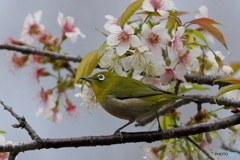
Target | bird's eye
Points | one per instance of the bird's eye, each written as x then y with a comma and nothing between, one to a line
100,77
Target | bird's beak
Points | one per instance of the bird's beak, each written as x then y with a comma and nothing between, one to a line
88,79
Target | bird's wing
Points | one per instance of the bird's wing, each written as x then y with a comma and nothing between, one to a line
135,89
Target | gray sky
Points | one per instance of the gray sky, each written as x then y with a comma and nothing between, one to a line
19,90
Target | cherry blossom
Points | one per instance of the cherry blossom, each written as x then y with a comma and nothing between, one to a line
32,28
17,62
49,110
110,60
71,109
204,14
123,38
177,45
68,27
150,153
111,21
216,67
173,152
4,155
161,6
156,38
39,72
36,58
13,41
143,60
187,61
234,136
168,76
89,100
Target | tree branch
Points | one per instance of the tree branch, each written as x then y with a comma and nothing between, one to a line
28,50
22,123
205,79
12,156
202,98
131,137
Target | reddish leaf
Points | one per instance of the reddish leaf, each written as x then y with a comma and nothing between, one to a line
180,13
207,24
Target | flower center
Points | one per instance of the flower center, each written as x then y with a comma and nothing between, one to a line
124,36
34,29
156,4
153,39
68,27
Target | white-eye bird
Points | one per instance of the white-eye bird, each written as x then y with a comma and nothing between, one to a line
127,98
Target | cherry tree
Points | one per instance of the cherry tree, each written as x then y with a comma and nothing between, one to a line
149,42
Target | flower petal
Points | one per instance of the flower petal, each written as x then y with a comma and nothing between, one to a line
122,48
112,40
135,41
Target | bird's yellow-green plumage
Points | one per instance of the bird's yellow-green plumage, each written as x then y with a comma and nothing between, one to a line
127,98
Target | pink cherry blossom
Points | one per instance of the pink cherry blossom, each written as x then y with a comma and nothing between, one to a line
68,27
39,72
177,45
49,109
4,155
71,109
32,28
160,6
204,14
168,76
156,38
187,62
123,38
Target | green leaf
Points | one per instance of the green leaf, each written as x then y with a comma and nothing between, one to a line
199,35
130,10
194,86
226,89
207,24
230,80
167,122
199,87
172,21
87,65
102,48
2,131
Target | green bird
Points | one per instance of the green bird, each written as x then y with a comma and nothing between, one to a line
127,98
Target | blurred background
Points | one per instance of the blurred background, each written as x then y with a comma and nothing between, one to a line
19,90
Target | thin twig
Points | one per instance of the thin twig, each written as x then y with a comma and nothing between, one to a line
176,88
193,142
228,148
22,123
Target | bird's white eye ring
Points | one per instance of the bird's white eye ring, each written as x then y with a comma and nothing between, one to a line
100,77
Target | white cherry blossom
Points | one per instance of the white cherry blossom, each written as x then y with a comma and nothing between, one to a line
122,38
